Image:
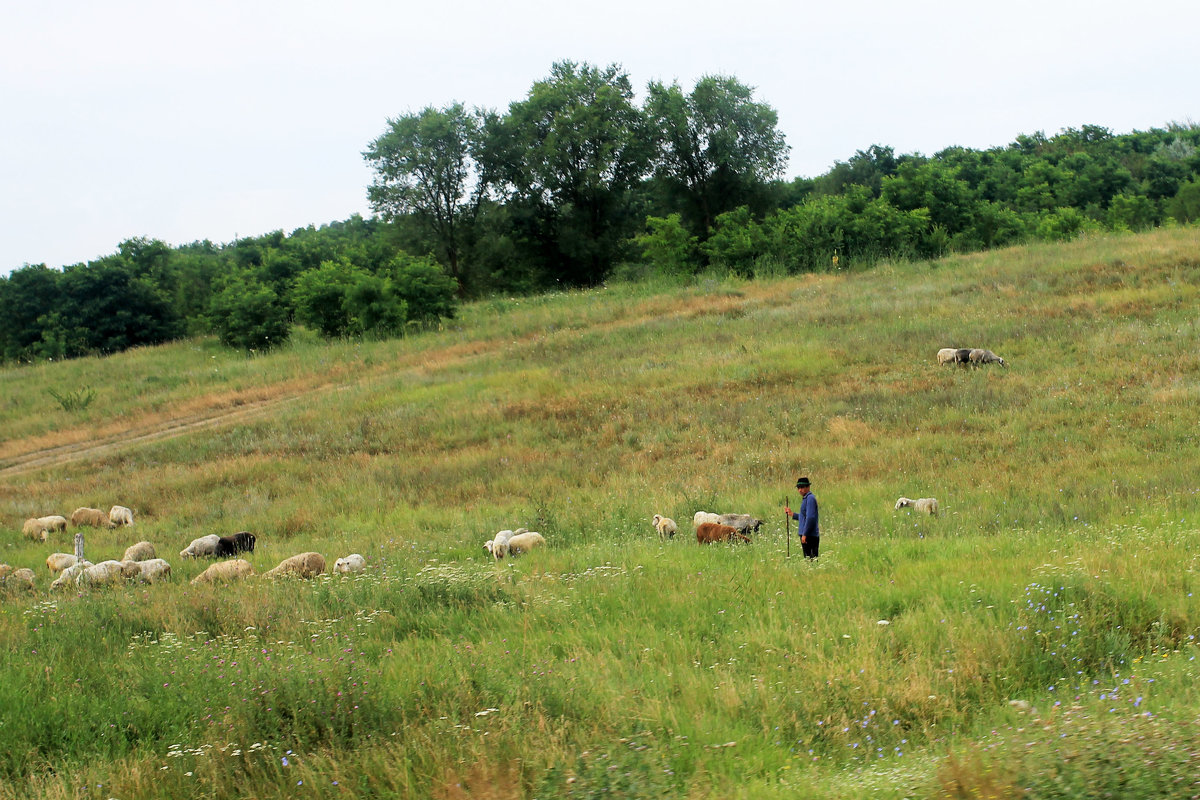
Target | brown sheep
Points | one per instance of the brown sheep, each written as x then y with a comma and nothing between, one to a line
304,565
711,532
57,562
91,516
142,551
225,572
34,529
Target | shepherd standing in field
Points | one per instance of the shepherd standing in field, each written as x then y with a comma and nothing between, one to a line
809,526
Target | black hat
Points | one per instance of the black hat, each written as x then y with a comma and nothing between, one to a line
803,482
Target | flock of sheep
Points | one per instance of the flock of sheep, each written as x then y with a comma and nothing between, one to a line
140,562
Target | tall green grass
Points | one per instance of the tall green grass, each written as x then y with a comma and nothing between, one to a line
1060,573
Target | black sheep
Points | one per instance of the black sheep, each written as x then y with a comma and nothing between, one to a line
241,542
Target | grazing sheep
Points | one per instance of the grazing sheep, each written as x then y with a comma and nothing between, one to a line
225,572
152,570
926,505
304,565
16,579
241,542
351,563
702,517
142,551
979,357
54,522
711,532
953,355
57,562
498,544
743,522
91,516
34,529
120,515
665,526
67,576
107,573
202,547
523,541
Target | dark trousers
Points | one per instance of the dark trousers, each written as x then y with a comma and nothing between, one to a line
811,547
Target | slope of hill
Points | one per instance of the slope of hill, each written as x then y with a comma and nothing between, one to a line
1060,571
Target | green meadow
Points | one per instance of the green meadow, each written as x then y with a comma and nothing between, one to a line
1037,638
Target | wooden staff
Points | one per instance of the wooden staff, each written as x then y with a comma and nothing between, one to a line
789,527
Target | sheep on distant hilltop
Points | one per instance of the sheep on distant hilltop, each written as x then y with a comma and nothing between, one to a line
91,516
953,355
351,563
120,515
979,357
925,505
304,565
142,551
665,526
225,572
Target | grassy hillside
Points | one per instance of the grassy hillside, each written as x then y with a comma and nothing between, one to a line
1060,573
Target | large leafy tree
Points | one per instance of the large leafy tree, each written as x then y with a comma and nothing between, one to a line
568,157
717,147
423,167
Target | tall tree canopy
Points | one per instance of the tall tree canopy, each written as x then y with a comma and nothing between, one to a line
423,167
718,147
571,152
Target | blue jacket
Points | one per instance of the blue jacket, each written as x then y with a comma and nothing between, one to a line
808,517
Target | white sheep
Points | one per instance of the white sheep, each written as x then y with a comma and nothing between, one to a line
54,522
142,551
201,547
120,515
953,355
665,526
498,544
107,573
151,570
67,576
225,572
351,563
926,505
57,562
702,517
523,541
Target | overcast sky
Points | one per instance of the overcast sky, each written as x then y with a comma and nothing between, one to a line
183,120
